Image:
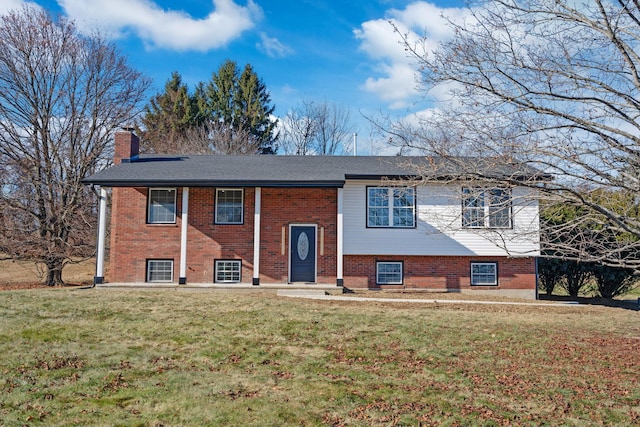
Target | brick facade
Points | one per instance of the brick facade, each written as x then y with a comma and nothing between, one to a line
282,207
452,273
133,241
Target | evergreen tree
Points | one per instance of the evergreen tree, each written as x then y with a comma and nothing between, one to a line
168,117
241,102
231,114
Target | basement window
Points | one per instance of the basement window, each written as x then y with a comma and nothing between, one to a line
228,271
484,273
160,270
388,273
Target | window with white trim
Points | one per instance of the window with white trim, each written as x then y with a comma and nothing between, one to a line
159,270
229,206
228,271
391,207
484,273
388,273
161,206
486,208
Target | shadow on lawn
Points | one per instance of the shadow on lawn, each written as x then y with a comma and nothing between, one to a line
627,304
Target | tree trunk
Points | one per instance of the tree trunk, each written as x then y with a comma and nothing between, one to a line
54,274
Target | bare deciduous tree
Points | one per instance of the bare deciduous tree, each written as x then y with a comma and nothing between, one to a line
61,97
316,128
549,84
217,138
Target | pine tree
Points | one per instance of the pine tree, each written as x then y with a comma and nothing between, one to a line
231,114
241,102
169,116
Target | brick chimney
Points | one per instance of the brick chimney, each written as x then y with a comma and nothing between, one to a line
127,146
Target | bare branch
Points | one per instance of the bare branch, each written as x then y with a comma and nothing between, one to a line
551,85
61,97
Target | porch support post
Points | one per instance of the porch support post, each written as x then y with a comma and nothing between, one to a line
340,249
256,237
183,236
102,229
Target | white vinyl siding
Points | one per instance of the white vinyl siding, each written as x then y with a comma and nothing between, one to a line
229,206
159,270
161,206
228,271
438,227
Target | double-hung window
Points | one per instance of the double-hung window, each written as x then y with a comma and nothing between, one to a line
389,273
391,207
484,273
229,206
161,206
486,207
159,270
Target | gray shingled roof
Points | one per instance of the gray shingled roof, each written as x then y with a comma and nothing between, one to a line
281,171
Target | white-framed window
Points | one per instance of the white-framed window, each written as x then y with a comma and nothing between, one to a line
228,270
161,206
486,207
391,207
389,273
484,273
159,270
229,206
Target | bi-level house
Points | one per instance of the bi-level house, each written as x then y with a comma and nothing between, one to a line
354,222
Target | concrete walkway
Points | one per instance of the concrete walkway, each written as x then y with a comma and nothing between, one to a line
320,295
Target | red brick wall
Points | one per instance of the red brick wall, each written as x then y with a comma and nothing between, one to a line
282,207
208,241
133,241
446,272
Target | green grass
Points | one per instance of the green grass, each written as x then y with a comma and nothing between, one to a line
165,357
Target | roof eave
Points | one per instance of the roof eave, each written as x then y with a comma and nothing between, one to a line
214,183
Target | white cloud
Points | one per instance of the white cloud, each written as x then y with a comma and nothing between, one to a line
273,47
395,79
8,5
160,28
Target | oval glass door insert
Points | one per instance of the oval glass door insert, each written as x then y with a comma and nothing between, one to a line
303,246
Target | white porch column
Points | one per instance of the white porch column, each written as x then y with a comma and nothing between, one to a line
102,229
256,237
183,236
340,249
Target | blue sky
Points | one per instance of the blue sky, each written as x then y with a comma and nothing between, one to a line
344,52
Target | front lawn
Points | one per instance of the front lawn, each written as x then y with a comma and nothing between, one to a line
167,357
